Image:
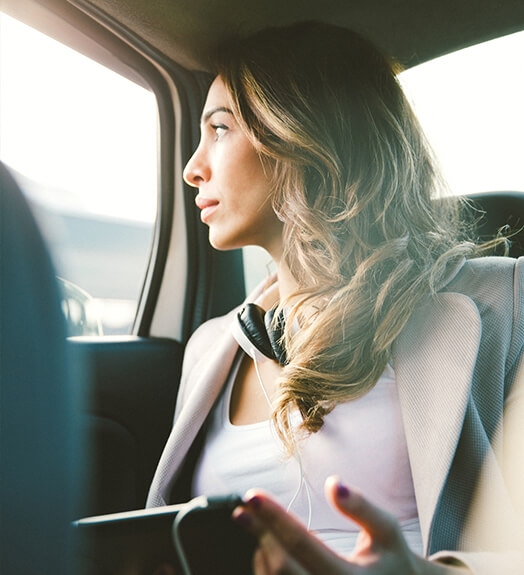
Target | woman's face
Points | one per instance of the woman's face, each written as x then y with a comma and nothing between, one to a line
234,192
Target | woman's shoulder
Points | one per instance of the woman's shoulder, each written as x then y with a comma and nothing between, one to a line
496,286
488,264
211,331
500,279
203,340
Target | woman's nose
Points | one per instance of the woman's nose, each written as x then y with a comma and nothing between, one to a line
197,170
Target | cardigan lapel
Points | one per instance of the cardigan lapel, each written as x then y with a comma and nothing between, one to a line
434,358
207,379
197,394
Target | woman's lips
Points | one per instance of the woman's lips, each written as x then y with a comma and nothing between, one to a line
207,205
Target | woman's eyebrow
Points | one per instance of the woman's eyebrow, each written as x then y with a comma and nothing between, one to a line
209,113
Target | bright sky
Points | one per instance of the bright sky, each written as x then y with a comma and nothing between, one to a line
106,149
471,105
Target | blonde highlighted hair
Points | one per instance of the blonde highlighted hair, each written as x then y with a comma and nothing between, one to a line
355,184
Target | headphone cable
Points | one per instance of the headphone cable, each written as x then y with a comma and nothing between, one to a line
296,453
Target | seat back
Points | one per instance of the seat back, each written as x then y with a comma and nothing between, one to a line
37,432
498,209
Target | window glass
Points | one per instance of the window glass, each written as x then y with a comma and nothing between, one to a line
81,141
258,266
470,106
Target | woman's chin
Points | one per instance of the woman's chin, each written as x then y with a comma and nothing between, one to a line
221,243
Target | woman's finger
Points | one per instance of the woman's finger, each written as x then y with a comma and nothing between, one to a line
381,526
260,566
270,557
274,526
277,559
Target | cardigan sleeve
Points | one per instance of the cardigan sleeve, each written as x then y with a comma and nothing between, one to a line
511,562
512,457
513,431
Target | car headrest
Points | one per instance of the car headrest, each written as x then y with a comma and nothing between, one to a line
36,409
499,209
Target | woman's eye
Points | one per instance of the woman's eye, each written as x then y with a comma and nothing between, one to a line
219,129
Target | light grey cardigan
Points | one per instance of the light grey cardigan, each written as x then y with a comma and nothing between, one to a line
460,374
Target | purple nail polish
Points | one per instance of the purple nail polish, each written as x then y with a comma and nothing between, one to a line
254,502
342,491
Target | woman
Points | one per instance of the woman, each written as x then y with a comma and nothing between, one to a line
394,351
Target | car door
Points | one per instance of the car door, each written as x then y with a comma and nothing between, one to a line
131,372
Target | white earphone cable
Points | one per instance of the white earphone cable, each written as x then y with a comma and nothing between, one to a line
303,483
296,453
253,355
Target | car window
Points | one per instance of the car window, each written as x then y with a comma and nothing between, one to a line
258,266
470,106
81,141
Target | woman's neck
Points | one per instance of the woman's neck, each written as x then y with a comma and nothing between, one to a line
287,284
278,289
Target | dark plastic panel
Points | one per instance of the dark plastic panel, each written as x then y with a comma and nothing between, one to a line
127,415
501,209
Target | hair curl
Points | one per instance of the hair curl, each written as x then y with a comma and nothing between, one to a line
356,185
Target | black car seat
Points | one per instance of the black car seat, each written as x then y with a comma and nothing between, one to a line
494,210
37,432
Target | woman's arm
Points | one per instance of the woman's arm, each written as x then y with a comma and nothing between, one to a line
286,547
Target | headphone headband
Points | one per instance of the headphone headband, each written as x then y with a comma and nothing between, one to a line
258,335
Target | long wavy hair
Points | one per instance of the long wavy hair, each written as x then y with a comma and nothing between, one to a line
356,186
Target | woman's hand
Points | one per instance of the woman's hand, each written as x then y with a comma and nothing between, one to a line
287,548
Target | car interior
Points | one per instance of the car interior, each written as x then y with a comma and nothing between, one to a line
84,421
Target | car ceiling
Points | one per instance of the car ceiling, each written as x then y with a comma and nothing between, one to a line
412,31
186,31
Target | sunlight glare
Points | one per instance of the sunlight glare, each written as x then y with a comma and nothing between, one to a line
75,127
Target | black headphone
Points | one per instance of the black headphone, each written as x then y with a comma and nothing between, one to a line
255,331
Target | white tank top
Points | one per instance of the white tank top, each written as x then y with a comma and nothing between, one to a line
361,440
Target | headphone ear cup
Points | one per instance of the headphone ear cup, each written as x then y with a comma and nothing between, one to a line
275,331
251,321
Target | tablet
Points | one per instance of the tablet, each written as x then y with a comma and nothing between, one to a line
133,542
204,541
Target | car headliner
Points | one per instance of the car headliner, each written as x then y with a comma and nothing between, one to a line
410,30
186,31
